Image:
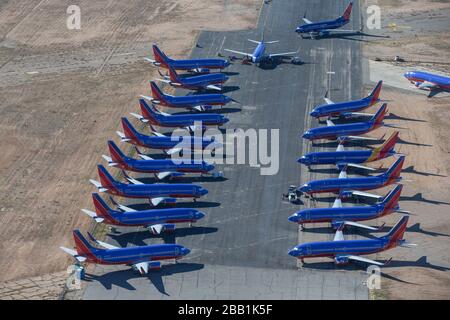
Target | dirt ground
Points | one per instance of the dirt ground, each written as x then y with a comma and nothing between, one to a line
63,92
422,272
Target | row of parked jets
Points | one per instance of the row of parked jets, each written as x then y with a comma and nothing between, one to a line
199,78
341,250
157,219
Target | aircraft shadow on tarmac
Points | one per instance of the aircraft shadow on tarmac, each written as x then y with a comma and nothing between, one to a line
181,204
393,116
355,265
419,197
121,278
138,238
348,36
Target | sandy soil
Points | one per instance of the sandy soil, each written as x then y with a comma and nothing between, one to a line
63,93
422,272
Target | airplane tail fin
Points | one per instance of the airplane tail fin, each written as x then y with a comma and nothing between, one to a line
159,55
394,171
397,231
129,131
173,74
347,12
83,246
156,92
116,154
391,199
106,179
146,111
381,113
101,208
375,94
389,144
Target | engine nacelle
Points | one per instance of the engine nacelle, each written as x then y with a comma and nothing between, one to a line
154,265
341,260
345,194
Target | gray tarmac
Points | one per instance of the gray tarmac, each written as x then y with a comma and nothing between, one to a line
239,250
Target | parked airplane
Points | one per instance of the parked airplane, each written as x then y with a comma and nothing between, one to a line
189,120
191,65
156,193
348,108
343,251
339,215
351,158
259,55
140,258
155,220
324,28
162,168
170,145
350,131
428,81
212,81
347,187
199,102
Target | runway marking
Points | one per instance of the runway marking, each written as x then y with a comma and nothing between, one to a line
32,72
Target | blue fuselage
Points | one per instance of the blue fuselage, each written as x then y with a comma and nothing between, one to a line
419,76
341,157
321,26
154,216
164,165
186,120
354,213
202,81
336,248
336,185
173,190
341,130
191,101
192,64
133,255
337,109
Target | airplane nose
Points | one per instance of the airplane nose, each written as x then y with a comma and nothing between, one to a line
306,135
209,167
314,113
293,252
203,191
225,120
294,218
304,188
303,160
185,251
199,215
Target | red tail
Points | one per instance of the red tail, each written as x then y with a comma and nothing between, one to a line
395,170
82,246
391,199
105,178
128,129
147,112
101,208
173,74
389,144
157,93
381,113
376,93
347,12
159,55
114,151
397,232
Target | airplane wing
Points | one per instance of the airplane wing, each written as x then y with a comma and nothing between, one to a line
101,243
306,20
427,85
354,165
328,101
98,185
156,228
122,136
283,54
164,174
173,151
142,267
330,123
358,258
365,194
339,236
73,253
342,31
213,87
121,206
158,200
145,157
359,225
93,215
130,179
239,52
139,117
337,203
362,138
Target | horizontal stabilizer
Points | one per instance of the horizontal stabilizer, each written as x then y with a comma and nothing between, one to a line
101,243
122,136
73,253
366,194
139,117
369,261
